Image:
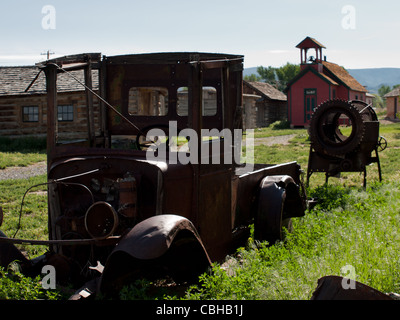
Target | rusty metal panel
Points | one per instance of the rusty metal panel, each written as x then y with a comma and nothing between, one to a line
214,212
332,288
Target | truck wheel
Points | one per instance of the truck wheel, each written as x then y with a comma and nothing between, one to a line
278,201
268,220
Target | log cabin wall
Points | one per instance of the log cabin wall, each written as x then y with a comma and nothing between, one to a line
263,104
26,115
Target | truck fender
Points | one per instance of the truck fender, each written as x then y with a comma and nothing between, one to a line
278,200
163,243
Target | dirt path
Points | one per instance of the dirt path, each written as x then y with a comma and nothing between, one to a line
23,172
269,141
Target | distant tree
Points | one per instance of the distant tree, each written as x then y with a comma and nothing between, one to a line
279,77
378,102
267,74
384,89
286,73
252,78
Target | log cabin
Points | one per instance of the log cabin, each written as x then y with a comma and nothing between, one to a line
263,104
23,102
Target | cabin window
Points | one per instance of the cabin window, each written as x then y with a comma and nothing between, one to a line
209,101
30,114
65,113
148,101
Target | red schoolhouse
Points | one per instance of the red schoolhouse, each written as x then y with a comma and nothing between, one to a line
318,81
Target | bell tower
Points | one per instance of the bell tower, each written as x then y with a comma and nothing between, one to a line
304,46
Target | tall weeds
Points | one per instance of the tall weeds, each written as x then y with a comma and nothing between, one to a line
350,230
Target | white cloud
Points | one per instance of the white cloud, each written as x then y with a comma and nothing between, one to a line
15,60
274,58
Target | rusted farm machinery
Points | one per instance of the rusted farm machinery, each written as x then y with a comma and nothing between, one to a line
111,206
343,136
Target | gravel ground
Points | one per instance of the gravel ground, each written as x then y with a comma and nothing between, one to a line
23,172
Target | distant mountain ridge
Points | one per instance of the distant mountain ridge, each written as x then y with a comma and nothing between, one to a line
372,78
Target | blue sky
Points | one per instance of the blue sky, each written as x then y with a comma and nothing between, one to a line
265,32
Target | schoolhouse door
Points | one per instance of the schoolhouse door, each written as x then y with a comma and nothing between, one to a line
310,100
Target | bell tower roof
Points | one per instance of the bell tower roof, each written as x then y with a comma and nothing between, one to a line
310,43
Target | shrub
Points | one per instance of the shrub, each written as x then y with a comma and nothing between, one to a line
15,286
279,125
25,144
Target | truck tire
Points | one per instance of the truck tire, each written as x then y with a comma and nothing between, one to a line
325,134
278,201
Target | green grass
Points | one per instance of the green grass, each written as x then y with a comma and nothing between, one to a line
15,286
34,211
33,225
21,152
272,132
18,159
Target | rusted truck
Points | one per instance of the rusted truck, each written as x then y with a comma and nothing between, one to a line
115,213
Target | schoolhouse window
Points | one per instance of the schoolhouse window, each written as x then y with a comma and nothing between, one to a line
65,113
30,114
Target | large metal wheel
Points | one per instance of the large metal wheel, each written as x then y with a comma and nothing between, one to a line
337,127
365,109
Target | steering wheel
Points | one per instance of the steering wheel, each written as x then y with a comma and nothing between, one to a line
157,138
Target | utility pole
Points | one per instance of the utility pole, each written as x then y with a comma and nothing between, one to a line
48,53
